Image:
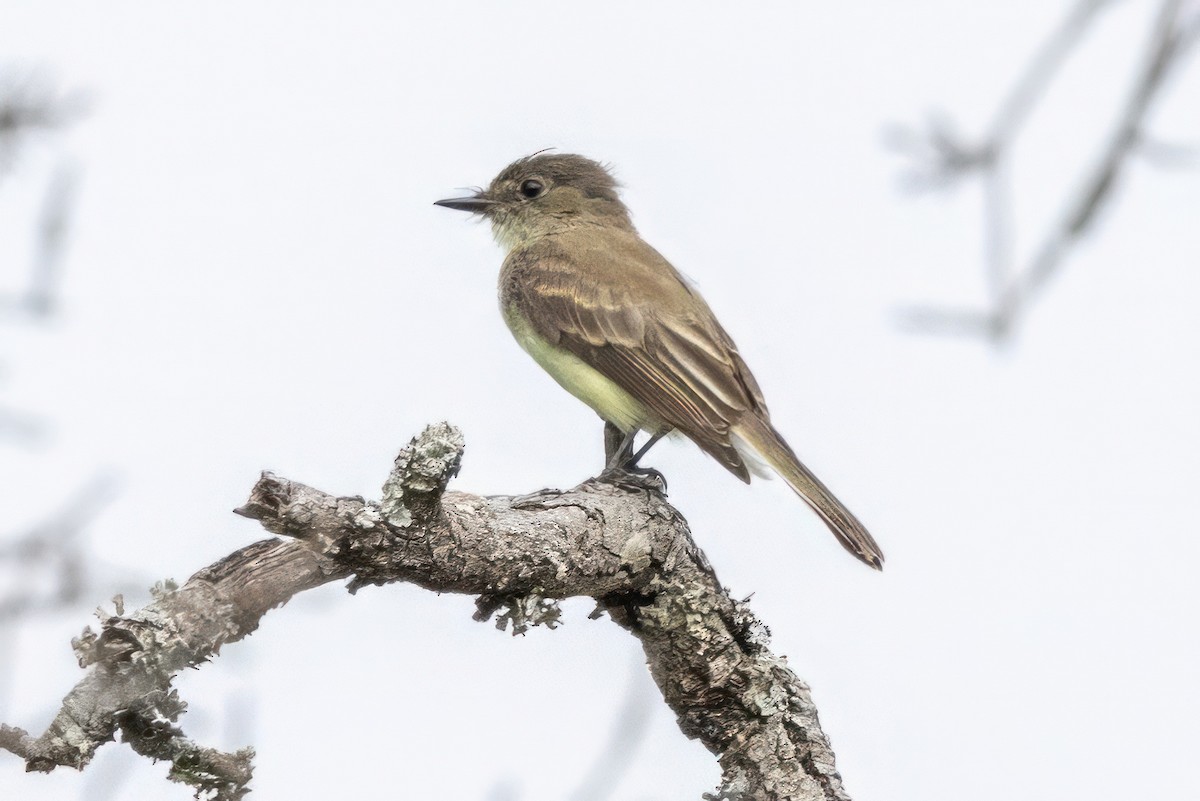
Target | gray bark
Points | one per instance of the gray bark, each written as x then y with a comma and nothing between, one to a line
615,540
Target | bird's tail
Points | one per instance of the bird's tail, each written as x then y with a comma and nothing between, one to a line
762,440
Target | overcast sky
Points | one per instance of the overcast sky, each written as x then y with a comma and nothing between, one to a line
257,279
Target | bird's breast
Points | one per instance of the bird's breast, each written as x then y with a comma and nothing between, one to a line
579,378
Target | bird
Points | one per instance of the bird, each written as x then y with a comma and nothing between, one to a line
617,326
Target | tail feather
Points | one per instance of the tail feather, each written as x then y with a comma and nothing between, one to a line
764,442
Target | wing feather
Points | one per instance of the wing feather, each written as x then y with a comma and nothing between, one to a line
623,310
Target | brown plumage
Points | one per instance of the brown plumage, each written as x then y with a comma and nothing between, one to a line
634,319
579,280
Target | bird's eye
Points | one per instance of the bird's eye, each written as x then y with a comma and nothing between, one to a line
532,188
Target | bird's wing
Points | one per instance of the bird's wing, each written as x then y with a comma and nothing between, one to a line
631,317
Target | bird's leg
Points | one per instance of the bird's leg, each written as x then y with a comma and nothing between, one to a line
622,468
635,458
631,464
617,445
613,441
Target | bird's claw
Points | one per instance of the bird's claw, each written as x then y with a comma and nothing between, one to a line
634,478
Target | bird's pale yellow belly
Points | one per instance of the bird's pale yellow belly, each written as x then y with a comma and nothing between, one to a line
580,379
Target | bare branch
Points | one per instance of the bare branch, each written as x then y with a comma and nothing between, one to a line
946,158
20,428
1168,155
54,220
1015,109
1097,186
54,544
942,155
628,733
30,104
623,546
31,108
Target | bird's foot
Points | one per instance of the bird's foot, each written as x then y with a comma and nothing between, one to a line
621,468
633,478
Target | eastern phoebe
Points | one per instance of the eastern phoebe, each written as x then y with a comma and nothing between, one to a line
614,323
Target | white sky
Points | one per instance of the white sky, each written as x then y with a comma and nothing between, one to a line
257,280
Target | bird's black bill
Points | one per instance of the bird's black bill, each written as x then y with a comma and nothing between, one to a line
474,204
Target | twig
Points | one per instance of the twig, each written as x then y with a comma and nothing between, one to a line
55,543
945,158
942,155
20,428
623,546
29,104
628,733
54,221
31,107
1016,108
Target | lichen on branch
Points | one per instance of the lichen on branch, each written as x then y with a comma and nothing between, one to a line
616,541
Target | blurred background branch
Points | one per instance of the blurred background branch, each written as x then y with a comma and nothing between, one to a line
941,157
628,733
33,109
47,564
44,566
627,736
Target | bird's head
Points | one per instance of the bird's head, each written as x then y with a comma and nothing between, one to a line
544,193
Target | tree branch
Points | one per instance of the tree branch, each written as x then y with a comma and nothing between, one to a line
622,545
942,157
55,544
31,109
